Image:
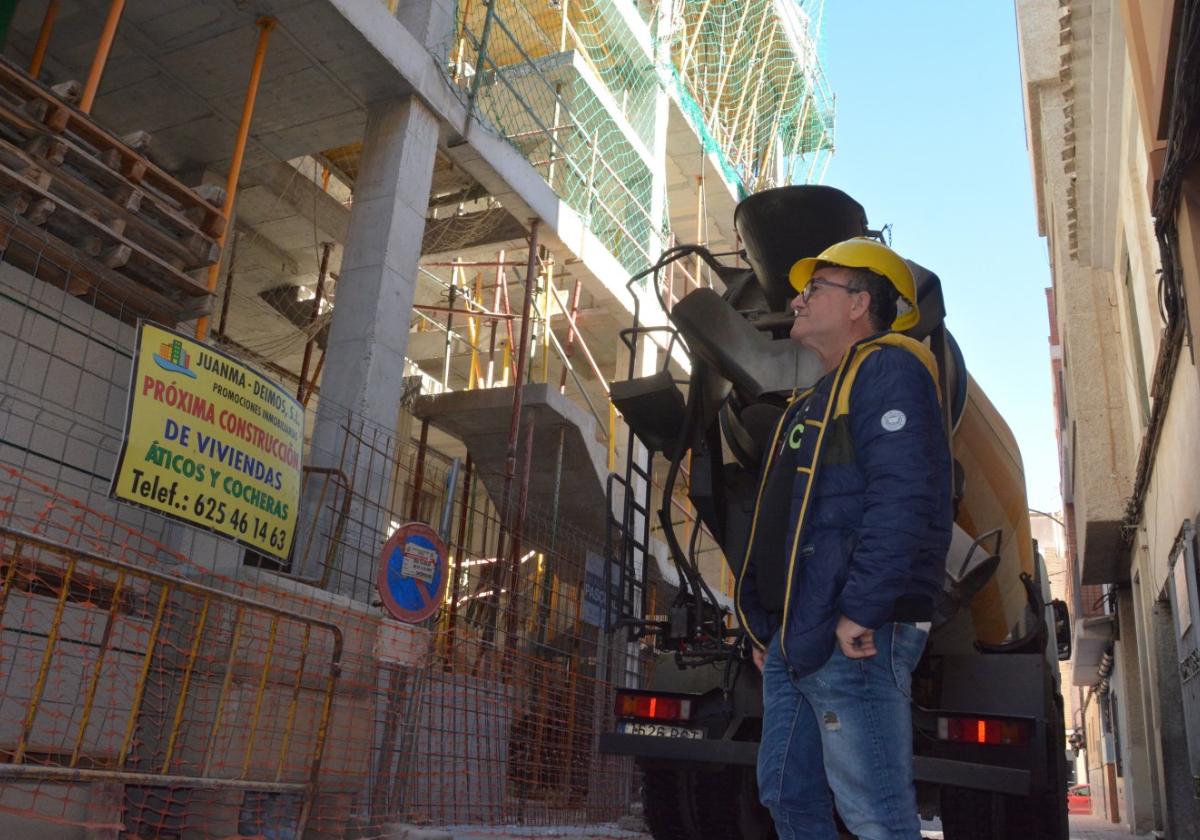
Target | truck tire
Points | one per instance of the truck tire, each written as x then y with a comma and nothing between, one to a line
969,814
1056,803
696,804
662,807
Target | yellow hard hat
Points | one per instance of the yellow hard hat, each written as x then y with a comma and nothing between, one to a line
862,252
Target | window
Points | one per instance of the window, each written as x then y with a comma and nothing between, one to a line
1135,342
1062,399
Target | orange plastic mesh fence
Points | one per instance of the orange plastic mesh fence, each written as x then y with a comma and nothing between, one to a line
159,681
146,689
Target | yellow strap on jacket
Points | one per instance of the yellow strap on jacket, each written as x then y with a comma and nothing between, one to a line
839,400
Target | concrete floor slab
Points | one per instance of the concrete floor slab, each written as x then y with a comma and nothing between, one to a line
481,419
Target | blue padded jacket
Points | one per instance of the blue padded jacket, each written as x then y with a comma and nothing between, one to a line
854,511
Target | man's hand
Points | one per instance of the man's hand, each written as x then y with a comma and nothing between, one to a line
759,656
856,641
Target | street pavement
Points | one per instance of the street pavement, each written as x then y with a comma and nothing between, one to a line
1098,828
1082,828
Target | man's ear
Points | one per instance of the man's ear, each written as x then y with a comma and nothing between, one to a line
860,306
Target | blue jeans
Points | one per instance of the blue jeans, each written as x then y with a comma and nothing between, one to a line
844,734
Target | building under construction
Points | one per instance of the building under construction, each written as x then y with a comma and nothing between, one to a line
415,225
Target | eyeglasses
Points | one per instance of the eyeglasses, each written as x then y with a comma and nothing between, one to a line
816,283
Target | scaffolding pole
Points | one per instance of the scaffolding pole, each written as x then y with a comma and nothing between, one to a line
508,517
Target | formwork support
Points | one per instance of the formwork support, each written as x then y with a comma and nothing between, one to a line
228,295
414,506
518,533
43,41
491,368
510,461
101,58
474,374
562,379
460,553
304,386
546,336
508,517
455,279
265,25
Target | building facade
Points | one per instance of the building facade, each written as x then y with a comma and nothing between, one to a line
1112,106
421,219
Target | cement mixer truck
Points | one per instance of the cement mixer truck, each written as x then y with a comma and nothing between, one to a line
989,751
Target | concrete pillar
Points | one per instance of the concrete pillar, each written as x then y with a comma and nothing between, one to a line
363,377
431,22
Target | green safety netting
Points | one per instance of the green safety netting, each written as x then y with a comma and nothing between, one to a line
581,88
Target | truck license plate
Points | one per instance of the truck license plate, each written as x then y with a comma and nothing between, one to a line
659,730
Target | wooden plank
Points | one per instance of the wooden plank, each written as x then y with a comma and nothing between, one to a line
53,261
58,117
171,220
40,210
48,148
185,254
78,226
166,213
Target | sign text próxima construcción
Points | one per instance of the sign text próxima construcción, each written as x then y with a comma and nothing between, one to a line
211,441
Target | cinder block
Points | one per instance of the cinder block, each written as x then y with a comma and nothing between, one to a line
72,346
38,330
31,370
48,442
62,387
92,397
402,831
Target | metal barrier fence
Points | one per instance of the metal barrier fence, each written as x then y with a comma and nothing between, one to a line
159,681
165,694
119,674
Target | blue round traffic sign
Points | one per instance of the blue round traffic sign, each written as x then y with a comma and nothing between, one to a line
412,572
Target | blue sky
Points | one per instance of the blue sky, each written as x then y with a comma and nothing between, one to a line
931,139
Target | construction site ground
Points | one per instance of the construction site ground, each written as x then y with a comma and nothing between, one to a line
1083,827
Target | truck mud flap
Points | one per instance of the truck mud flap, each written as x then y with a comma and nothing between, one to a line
968,774
680,749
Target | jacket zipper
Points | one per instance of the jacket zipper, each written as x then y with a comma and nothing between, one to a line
831,401
762,486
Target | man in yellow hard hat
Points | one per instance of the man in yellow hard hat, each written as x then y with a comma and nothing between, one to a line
846,553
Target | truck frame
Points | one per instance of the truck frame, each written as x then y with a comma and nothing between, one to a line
989,746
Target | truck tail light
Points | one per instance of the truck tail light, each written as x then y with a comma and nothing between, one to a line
653,706
969,730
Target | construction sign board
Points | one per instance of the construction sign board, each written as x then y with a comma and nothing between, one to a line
211,441
413,572
594,598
